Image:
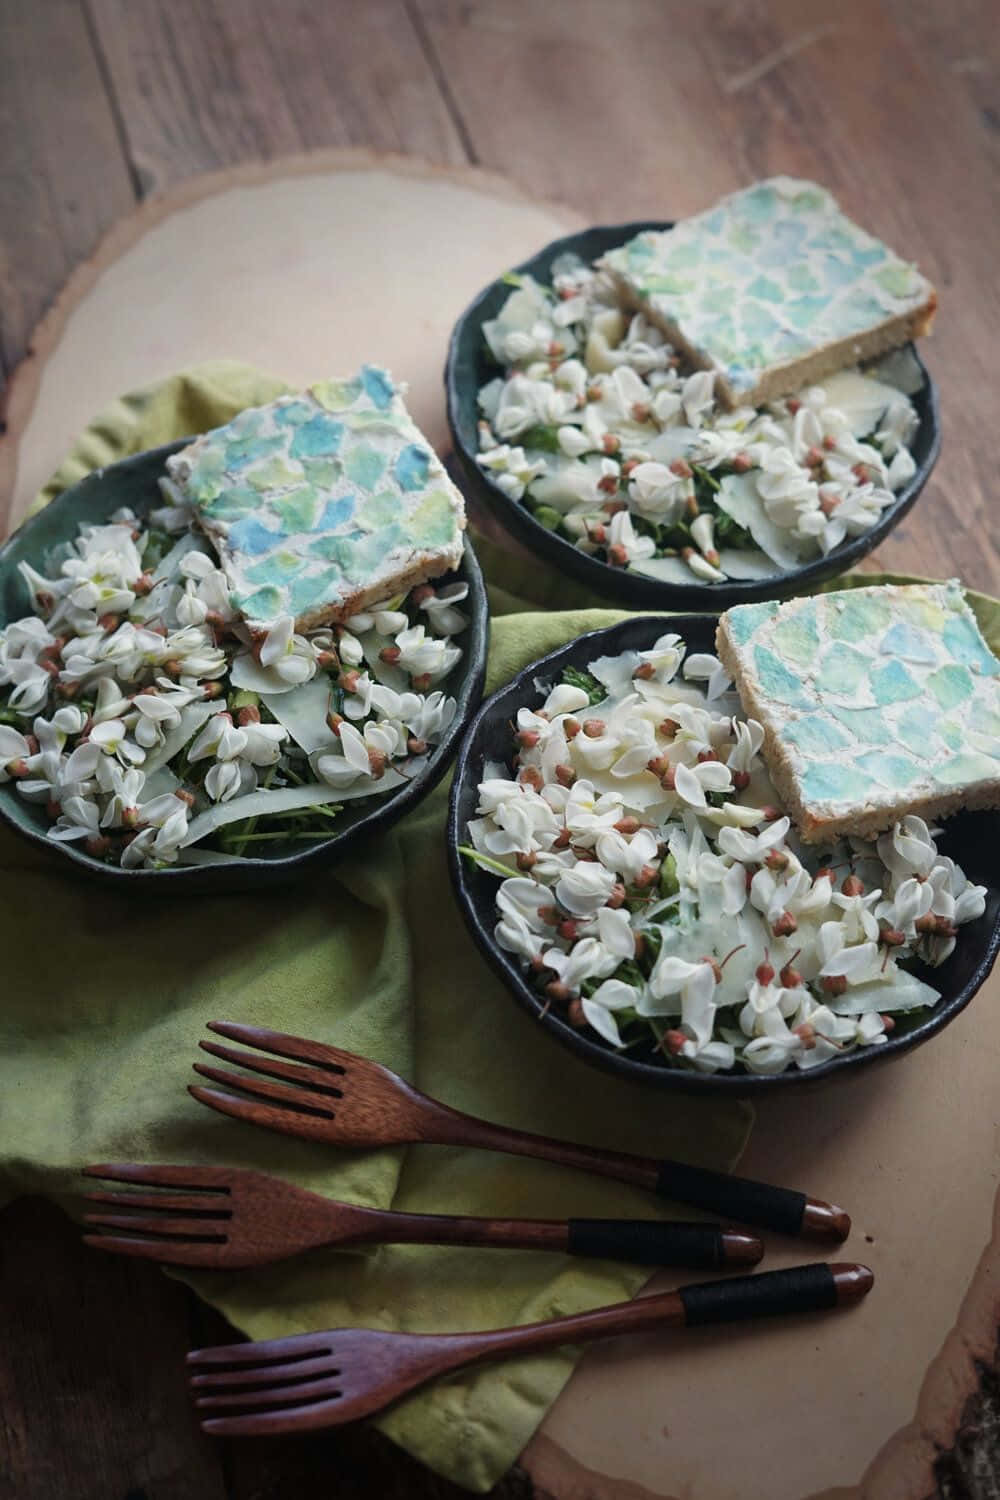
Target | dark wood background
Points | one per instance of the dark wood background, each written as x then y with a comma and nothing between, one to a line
620,108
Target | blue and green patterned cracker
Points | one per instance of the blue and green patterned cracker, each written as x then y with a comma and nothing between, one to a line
875,703
321,504
773,288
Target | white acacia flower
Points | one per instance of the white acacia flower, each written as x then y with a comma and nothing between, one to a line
220,738
749,737
125,786
111,737
773,1045
909,849
154,846
288,655
263,743
703,667
226,779
692,782
585,888
154,716
664,656
599,1009
439,607
856,964
901,470
423,655
587,959
614,931
79,818
784,486
627,856
565,699
429,717
350,649
588,813
657,492
853,513
675,976
515,934
364,754
697,398
623,535
520,897
510,469
14,752
858,920
30,682
751,849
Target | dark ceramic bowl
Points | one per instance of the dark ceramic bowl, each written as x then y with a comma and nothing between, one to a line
470,366
970,839
133,482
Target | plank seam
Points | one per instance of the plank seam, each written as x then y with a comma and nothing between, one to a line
107,82
440,77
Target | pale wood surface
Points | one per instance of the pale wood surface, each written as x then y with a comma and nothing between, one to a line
640,107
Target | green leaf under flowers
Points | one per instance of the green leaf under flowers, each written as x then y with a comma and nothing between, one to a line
544,438
484,862
574,677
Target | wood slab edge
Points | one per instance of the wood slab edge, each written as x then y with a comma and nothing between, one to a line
903,1468
18,398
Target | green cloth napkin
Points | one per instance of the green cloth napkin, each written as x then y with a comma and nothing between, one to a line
107,994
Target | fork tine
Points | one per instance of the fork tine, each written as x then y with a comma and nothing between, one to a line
256,1374
292,1122
153,1174
169,1252
292,1419
272,1068
276,1093
299,1048
293,1346
197,1205
272,1394
186,1228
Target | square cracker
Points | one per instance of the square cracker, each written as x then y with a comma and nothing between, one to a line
773,288
321,504
875,703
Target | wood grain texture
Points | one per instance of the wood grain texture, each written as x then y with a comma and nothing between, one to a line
91,1405
63,177
202,86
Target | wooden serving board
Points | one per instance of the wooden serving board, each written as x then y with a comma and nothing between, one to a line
307,267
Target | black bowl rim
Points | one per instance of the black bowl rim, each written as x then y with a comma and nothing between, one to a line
521,690
384,812
633,588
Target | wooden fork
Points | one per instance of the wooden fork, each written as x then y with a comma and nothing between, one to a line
323,1379
228,1217
326,1094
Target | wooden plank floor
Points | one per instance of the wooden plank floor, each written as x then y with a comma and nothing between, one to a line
620,109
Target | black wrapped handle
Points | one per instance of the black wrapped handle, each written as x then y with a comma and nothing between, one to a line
644,1242
800,1289
735,1197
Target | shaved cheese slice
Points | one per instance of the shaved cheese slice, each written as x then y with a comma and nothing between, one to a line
861,399
902,992
262,803
192,718
745,562
247,673
170,562
666,569
303,712
737,496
